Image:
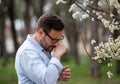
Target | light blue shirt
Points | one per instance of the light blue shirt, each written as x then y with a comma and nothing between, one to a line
33,66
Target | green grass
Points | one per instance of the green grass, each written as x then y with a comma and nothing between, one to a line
79,74
7,73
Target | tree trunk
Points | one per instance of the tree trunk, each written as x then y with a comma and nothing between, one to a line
118,67
3,51
38,8
41,7
94,67
2,36
72,33
27,17
12,18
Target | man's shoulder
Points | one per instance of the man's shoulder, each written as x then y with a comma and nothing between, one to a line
26,45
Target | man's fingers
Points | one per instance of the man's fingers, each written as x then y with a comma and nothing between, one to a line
66,78
67,70
66,67
66,73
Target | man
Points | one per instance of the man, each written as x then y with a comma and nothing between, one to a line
38,59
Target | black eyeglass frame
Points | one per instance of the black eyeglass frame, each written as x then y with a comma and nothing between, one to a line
53,39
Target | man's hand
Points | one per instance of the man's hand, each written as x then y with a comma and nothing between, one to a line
65,74
59,51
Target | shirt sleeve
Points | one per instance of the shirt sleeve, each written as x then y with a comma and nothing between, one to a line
37,71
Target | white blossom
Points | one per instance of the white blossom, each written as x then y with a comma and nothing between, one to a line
105,22
72,7
103,5
75,15
118,11
100,4
93,11
97,13
80,19
95,58
93,41
60,1
85,3
115,3
91,2
104,13
113,27
100,17
109,64
87,11
110,74
96,48
116,23
92,19
85,16
111,15
109,50
99,61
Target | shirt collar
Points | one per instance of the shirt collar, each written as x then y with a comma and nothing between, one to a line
34,42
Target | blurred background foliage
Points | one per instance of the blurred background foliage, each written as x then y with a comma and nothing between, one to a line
18,18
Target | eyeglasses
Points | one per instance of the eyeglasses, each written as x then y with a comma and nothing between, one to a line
53,39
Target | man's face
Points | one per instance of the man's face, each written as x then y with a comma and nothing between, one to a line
51,39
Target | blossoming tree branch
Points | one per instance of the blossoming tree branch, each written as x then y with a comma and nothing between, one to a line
105,52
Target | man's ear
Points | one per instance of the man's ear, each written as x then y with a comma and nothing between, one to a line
40,31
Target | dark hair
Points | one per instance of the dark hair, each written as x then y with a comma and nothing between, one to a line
50,21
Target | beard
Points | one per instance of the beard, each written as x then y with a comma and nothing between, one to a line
46,46
50,48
